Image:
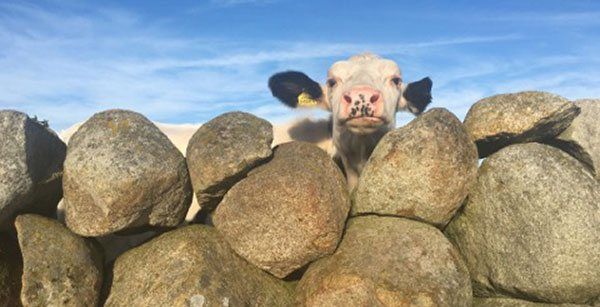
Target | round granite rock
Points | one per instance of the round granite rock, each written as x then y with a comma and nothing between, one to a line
123,173
287,212
498,121
421,171
223,150
388,261
31,165
59,267
530,227
582,138
192,266
511,302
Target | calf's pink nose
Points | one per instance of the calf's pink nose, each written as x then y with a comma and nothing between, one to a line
362,101
361,95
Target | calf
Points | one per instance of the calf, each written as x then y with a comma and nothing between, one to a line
363,94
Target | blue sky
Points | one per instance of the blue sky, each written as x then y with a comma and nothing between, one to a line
188,61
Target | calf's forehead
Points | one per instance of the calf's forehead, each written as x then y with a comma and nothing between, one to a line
372,65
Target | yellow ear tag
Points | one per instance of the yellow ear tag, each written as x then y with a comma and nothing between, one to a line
304,100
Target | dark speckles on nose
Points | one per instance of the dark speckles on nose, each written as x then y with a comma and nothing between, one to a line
361,107
362,97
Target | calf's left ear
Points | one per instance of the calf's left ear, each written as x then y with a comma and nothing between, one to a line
416,96
296,89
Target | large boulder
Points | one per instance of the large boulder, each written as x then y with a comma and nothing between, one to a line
287,212
511,302
388,261
530,227
192,266
498,121
11,267
59,267
31,164
222,151
122,173
422,171
582,138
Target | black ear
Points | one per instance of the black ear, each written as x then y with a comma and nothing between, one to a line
418,95
288,85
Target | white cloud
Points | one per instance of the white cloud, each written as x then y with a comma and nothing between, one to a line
574,18
230,3
64,67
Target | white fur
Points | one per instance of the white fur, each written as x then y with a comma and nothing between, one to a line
354,144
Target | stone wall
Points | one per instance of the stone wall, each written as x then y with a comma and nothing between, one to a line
429,224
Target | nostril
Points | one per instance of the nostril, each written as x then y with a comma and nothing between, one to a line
374,98
348,99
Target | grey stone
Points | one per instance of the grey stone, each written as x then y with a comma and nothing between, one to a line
59,267
511,302
287,212
582,138
530,227
421,171
122,173
388,261
223,150
498,121
31,165
192,266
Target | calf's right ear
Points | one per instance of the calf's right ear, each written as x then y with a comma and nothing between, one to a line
417,95
296,89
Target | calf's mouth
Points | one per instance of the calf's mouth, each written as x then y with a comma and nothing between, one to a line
365,121
363,124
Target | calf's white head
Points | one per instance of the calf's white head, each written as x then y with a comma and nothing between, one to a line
363,93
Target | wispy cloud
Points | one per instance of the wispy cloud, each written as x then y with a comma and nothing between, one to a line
282,52
242,2
577,18
65,66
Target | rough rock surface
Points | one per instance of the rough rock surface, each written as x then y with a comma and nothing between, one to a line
121,173
582,138
422,171
511,302
31,163
10,271
531,225
498,121
222,151
59,267
388,261
192,266
287,212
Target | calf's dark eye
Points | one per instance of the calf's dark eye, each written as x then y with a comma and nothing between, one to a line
331,82
396,80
